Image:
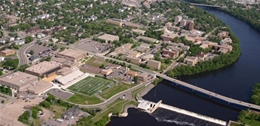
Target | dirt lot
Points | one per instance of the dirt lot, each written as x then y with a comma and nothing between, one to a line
13,111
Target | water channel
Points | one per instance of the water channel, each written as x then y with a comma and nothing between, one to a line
234,81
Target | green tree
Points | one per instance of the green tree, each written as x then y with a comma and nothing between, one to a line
28,39
31,52
136,79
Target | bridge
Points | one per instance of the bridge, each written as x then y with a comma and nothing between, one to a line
209,93
205,5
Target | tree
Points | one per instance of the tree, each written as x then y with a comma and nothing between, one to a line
3,101
23,67
28,39
31,52
11,64
102,66
136,79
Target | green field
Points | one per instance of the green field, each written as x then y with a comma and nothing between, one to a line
84,100
91,85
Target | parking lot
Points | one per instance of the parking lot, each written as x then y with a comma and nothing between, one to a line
92,46
60,94
40,50
90,69
120,74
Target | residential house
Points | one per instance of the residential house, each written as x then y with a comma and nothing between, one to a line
7,52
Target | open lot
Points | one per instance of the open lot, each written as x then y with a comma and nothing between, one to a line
14,110
92,46
91,85
90,69
83,99
96,62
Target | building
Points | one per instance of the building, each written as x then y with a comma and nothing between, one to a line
132,25
143,77
71,54
147,39
177,19
20,42
58,28
154,64
131,73
106,72
138,31
64,71
222,34
45,69
113,21
134,60
169,53
34,30
19,81
2,59
108,38
47,32
133,54
7,52
147,57
168,24
39,87
190,25
191,60
2,40
75,75
168,36
183,23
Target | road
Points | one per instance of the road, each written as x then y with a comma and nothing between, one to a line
21,53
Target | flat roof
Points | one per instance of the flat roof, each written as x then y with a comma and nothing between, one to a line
40,86
108,37
69,77
169,35
7,50
44,67
18,78
72,53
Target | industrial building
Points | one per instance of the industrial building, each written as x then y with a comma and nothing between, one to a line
39,87
18,81
71,54
108,38
45,68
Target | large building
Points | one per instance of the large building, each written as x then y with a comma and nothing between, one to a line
168,36
191,60
108,38
190,25
19,81
154,64
39,87
7,52
75,75
45,68
72,55
117,22
177,19
132,25
183,23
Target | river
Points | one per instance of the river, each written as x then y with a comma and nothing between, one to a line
234,81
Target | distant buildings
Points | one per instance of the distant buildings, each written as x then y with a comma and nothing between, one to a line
147,39
171,52
191,60
183,23
132,25
177,19
168,36
138,31
72,55
113,21
190,25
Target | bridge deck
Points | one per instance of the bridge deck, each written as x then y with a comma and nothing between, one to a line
212,94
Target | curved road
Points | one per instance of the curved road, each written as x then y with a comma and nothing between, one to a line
21,53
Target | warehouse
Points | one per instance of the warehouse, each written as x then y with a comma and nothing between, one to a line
45,69
70,54
18,81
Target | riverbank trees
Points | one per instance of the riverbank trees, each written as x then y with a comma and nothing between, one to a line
221,61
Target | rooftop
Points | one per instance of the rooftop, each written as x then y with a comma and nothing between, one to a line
43,67
18,78
72,53
108,37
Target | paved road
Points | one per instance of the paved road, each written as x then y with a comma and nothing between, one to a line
23,59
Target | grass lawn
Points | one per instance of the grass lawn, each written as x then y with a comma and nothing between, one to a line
83,99
235,124
251,118
115,89
96,62
90,85
116,106
58,110
135,92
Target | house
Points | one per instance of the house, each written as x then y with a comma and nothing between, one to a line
131,73
2,40
190,60
7,52
2,59
154,64
20,42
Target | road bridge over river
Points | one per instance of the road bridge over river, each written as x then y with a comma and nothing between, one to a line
209,93
205,5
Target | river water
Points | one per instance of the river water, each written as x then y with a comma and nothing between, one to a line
234,81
